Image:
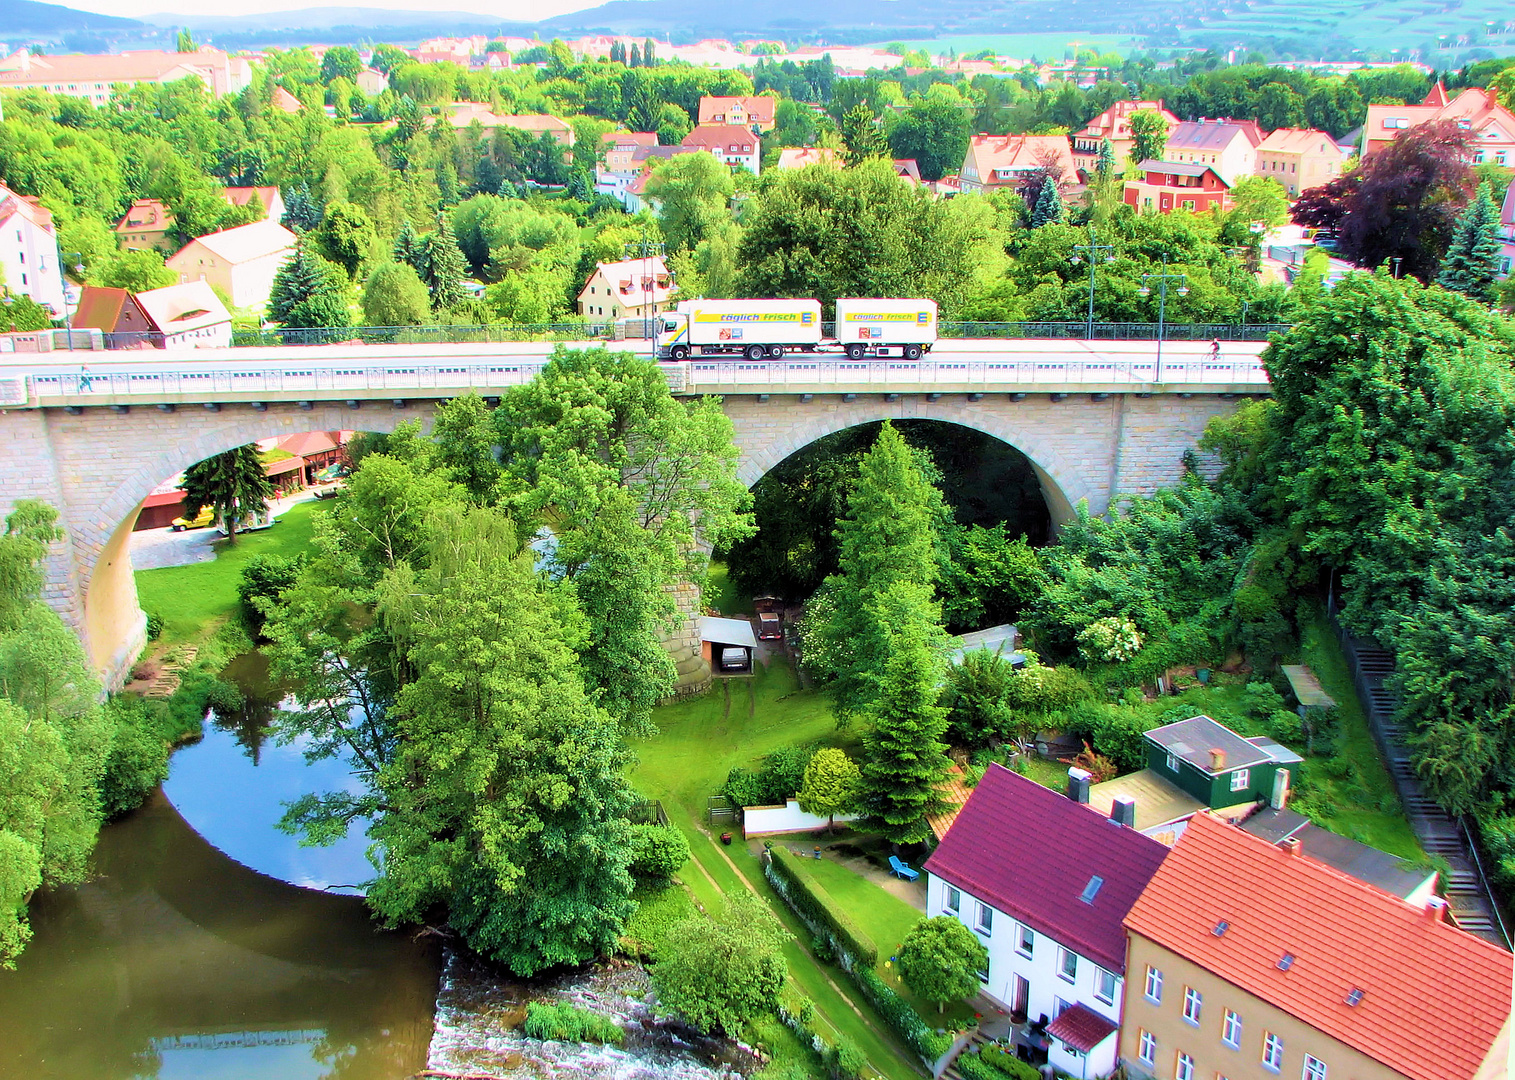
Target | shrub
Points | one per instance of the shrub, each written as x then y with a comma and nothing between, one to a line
562,1022
823,915
264,578
138,758
657,851
1112,640
658,911
777,781
1260,700
154,626
1115,731
720,974
1287,728
995,1064
900,1015
850,1061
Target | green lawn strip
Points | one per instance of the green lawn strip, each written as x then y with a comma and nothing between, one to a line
194,599
855,1005
1386,829
722,594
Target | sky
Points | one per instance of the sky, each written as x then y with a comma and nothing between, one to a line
506,10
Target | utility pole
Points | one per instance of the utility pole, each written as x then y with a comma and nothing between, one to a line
1162,280
1092,252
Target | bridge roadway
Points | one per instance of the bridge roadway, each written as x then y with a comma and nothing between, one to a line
357,372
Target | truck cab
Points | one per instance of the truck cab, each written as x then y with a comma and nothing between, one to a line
673,336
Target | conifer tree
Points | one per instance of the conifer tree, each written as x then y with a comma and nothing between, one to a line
233,484
1472,261
861,137
1049,206
649,55
309,292
1105,165
904,756
302,210
445,268
636,56
410,249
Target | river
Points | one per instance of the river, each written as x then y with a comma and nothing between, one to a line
190,955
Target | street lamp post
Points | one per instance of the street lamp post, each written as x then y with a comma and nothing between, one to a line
1092,252
1162,280
78,261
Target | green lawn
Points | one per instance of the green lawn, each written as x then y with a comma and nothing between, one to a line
1363,805
698,743
721,594
193,600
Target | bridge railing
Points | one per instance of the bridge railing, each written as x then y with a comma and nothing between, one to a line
426,335
798,372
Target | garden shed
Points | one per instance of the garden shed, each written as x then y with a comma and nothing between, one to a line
721,640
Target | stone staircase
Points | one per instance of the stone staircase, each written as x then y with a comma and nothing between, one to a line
1468,897
974,1044
167,680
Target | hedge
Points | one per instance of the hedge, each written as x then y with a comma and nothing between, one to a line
995,1065
819,911
901,1015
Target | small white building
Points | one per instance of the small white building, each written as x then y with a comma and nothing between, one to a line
29,251
240,262
189,316
1045,883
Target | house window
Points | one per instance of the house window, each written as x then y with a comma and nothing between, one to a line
985,922
1146,1048
1067,964
1025,942
1188,204
1184,1070
1193,1000
1172,763
1273,1052
1230,1030
954,900
1154,985
1104,986
983,975
1314,1069
1240,779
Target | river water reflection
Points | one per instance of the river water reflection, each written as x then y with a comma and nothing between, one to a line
177,960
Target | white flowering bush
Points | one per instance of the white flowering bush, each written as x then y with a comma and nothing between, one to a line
1112,640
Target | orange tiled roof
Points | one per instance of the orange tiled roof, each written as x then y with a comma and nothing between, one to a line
956,793
1434,997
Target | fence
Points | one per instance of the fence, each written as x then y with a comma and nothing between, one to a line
425,335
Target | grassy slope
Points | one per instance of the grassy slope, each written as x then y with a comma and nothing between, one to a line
698,743
193,600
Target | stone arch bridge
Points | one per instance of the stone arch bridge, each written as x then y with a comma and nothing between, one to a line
1096,419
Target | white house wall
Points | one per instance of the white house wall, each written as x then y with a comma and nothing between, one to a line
1041,970
29,255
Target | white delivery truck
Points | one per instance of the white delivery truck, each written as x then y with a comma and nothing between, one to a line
751,328
878,327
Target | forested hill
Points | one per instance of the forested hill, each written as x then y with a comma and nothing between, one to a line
856,21
28,17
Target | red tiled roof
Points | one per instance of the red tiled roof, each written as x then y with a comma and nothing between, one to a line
999,851
723,136
307,443
1434,997
954,794
1081,1028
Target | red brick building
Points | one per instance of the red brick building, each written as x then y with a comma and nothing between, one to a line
1166,186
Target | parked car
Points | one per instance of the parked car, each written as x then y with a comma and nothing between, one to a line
770,626
733,659
203,519
328,491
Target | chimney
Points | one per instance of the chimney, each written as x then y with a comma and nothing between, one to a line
1292,846
1078,785
1435,907
1123,811
1217,760
1280,797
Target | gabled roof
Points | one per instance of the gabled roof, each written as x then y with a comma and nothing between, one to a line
723,136
145,214
284,101
1212,134
985,853
758,107
1299,141
241,196
178,309
1193,739
908,169
1081,1027
630,138
12,204
635,281
1433,997
1115,122
311,442
1378,868
100,308
246,242
1019,153
797,157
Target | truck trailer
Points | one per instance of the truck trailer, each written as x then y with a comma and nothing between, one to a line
766,329
877,327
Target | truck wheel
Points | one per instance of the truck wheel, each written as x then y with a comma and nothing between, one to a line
775,351
679,352
912,352
855,351
754,352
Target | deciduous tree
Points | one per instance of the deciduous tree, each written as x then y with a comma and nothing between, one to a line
394,295
935,134
720,973
940,960
1149,135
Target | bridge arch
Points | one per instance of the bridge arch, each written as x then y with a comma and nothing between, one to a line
143,456
1064,479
